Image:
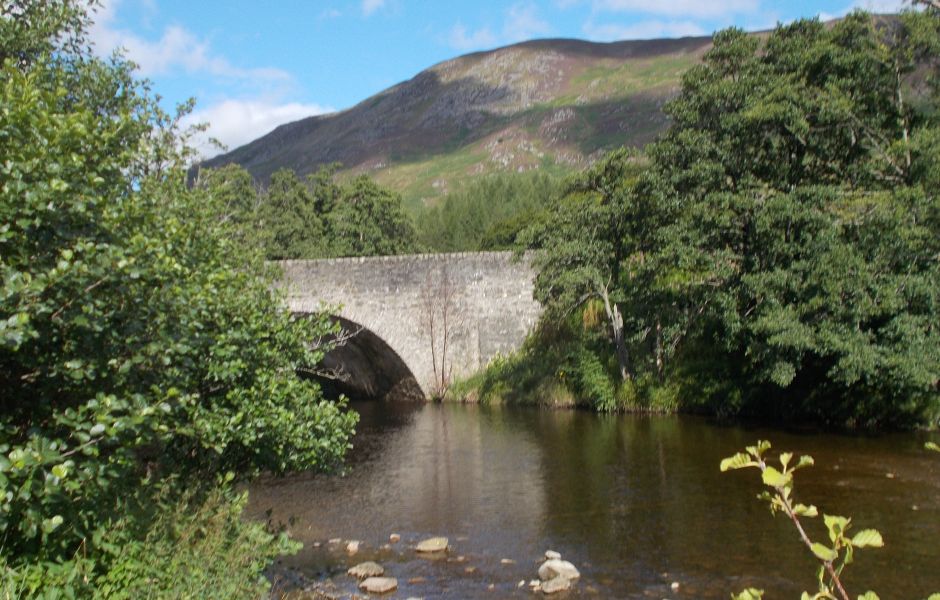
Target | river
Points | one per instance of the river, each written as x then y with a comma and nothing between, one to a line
637,503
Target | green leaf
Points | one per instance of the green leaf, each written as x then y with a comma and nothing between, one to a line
785,459
866,538
749,594
758,450
805,461
775,478
836,526
824,552
802,510
869,595
932,446
738,461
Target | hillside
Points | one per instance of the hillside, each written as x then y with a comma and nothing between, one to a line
547,104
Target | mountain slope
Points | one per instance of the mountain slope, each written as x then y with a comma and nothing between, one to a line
549,104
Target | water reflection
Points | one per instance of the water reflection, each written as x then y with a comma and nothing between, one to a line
635,502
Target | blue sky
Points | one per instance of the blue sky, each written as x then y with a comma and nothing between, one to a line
253,65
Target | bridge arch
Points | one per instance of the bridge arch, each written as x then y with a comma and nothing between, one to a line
364,366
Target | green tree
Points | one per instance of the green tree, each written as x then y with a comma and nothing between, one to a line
805,228
134,353
585,246
367,220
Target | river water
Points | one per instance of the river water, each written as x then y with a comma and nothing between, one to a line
635,502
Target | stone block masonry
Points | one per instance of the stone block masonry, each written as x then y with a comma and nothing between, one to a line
483,300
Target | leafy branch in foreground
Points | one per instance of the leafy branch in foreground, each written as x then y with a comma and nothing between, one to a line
833,558
781,499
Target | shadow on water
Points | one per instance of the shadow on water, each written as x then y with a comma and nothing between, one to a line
636,502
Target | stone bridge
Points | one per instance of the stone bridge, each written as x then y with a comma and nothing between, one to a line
411,320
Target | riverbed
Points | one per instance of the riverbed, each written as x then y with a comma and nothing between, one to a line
637,503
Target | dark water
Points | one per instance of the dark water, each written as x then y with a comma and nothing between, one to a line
635,502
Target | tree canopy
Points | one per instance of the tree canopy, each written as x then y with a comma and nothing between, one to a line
780,251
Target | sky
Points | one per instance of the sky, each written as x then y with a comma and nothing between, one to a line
252,65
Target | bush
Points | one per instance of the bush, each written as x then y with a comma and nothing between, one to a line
136,348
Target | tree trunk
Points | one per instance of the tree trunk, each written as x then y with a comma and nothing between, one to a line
658,350
616,326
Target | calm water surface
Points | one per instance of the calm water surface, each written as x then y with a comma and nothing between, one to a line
635,502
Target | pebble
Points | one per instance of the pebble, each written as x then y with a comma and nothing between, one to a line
335,540
674,586
552,555
470,570
352,546
394,538
521,583
417,580
507,561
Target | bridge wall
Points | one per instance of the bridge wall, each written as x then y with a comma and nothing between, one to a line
487,297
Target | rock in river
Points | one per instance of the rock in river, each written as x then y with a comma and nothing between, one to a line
558,584
379,585
437,544
552,555
366,569
553,568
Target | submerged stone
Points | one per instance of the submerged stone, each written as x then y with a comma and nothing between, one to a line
366,569
379,585
436,544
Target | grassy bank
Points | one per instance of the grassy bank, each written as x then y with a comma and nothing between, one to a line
566,365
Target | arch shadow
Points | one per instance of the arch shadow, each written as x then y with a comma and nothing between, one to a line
364,367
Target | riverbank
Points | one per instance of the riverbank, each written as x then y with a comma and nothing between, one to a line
572,365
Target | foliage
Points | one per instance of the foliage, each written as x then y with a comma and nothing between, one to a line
486,214
779,249
563,364
133,349
315,218
190,546
834,556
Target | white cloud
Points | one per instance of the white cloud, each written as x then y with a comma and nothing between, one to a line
461,39
521,22
679,8
237,122
370,6
524,23
177,49
872,6
610,32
